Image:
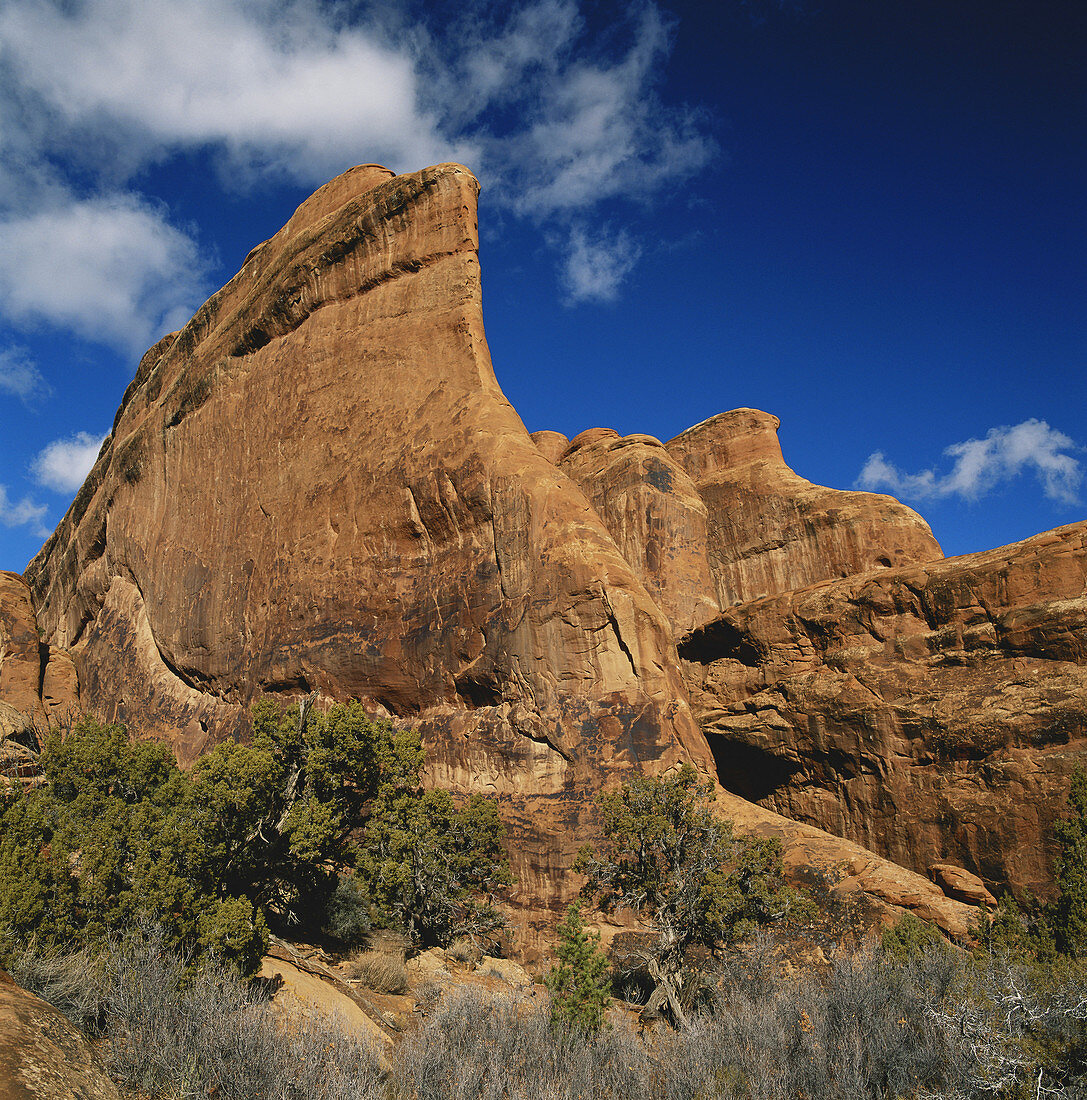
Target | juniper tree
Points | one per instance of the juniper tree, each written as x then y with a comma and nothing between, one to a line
665,856
579,983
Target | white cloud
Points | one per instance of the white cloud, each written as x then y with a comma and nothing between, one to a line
111,269
22,512
18,375
65,463
595,267
94,92
275,84
981,464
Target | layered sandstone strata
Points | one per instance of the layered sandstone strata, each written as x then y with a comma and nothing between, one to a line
932,713
770,530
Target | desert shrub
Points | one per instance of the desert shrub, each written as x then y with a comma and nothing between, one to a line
579,983
169,1029
377,970
909,937
254,834
1068,917
465,950
475,1046
864,1029
347,914
666,856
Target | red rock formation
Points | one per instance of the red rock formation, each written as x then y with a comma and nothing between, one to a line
42,1055
772,531
655,515
318,485
36,680
932,713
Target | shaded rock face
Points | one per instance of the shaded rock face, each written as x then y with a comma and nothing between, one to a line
932,713
42,1055
37,681
318,486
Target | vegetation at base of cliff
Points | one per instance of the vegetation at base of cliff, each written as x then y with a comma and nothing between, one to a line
938,1025
665,856
321,818
1068,917
580,983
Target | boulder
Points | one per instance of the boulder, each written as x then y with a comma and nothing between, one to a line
42,1055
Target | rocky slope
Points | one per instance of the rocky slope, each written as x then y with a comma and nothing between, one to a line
318,485
42,1055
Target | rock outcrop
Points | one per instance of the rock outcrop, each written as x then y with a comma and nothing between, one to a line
42,1055
932,713
772,531
36,680
654,513
318,486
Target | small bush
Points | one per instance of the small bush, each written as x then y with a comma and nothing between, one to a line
377,970
171,1030
475,1046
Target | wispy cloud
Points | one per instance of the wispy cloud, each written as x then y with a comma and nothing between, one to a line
19,513
110,269
982,464
65,463
91,94
596,266
19,375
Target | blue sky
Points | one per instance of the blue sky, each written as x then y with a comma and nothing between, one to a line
867,218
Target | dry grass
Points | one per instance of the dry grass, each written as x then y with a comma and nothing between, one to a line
377,970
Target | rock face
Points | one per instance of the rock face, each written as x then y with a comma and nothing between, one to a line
772,531
318,485
654,514
42,1055
36,680
932,713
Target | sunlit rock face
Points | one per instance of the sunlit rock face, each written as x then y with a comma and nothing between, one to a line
770,530
318,486
933,713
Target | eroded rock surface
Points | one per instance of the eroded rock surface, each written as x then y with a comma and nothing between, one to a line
770,530
932,713
36,680
655,515
42,1055
318,485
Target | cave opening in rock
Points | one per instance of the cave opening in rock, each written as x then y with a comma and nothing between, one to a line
748,771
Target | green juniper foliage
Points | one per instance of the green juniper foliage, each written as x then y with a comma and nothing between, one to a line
579,983
1069,912
666,856
257,833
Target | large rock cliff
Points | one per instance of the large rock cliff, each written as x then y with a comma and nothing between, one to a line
318,485
933,713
